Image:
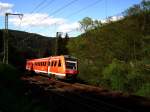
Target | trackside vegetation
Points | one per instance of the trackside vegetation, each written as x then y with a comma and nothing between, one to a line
13,98
116,55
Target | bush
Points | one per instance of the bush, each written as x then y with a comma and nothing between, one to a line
144,90
12,92
114,75
8,73
138,78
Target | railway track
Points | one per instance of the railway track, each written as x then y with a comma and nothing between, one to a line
73,95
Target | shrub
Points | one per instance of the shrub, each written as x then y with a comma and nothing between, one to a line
115,75
8,72
144,90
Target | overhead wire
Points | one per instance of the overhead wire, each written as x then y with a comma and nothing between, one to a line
80,10
76,12
35,9
61,8
58,10
84,8
39,5
44,6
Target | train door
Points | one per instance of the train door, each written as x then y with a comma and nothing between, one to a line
59,66
55,66
49,68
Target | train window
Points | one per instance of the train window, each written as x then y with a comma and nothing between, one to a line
46,63
71,65
52,63
49,63
55,63
59,63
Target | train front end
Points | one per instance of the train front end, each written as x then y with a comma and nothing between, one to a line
71,64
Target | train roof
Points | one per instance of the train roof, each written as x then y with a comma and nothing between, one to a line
65,56
68,56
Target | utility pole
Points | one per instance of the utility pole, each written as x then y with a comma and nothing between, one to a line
6,36
58,35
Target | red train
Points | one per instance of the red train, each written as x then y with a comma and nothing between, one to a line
62,67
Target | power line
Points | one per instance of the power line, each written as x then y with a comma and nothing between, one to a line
40,4
58,10
68,4
49,3
84,8
37,7
61,8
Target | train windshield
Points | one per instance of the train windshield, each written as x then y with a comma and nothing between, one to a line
71,65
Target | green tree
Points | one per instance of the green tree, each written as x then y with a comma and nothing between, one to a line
145,4
97,23
87,24
135,9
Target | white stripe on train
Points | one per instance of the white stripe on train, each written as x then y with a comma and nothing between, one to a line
50,72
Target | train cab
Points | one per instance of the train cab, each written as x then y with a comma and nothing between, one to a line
29,65
71,66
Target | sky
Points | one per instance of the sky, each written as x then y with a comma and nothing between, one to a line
46,17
